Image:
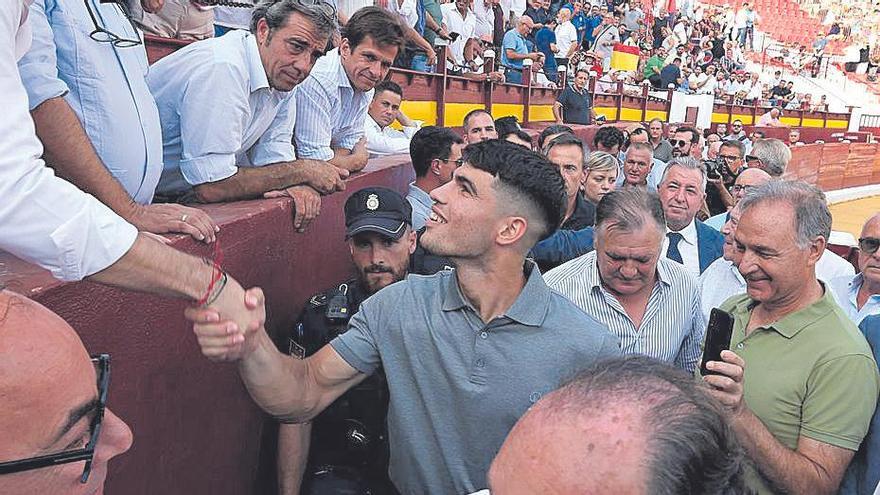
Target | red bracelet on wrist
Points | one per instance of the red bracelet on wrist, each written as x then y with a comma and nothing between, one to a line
216,273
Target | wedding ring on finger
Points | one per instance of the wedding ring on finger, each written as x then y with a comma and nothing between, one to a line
184,217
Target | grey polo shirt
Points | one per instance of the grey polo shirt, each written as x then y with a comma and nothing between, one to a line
457,385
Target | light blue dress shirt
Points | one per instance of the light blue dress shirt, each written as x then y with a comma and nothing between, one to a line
218,112
846,290
330,112
103,84
717,221
421,203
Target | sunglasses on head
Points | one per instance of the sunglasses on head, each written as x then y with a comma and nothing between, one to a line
869,245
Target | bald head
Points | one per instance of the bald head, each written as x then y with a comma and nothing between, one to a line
620,427
48,395
747,179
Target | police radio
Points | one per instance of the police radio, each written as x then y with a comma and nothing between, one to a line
337,307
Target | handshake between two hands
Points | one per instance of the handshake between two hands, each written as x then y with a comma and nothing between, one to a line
226,329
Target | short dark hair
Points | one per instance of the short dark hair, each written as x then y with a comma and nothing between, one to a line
552,129
278,12
691,448
525,175
506,125
472,113
735,143
695,134
565,140
523,135
430,143
388,86
609,137
629,208
377,23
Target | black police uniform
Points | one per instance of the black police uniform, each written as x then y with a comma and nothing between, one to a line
349,446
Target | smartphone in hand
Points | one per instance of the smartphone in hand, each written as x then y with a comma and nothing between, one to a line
718,335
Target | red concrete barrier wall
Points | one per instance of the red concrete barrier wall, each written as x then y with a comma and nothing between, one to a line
833,166
196,429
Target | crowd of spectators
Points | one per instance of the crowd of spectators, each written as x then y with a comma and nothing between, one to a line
563,292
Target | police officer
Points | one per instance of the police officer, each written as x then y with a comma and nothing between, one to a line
349,450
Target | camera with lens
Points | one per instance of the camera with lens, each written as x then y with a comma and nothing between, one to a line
716,169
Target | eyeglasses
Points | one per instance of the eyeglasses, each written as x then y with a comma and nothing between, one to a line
87,453
738,188
729,158
457,163
752,158
869,245
102,35
679,143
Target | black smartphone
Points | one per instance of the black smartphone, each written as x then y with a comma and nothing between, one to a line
718,335
453,36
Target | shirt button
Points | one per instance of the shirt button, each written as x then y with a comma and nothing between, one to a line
480,363
739,346
484,335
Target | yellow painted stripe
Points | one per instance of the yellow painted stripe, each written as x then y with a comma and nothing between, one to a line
813,123
655,114
506,109
541,113
455,112
426,111
837,124
631,114
746,119
610,113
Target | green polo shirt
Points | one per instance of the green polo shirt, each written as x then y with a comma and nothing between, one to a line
652,62
809,374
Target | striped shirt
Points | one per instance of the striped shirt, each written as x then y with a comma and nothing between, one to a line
330,113
673,325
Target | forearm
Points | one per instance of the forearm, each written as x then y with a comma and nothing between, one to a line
557,113
347,160
68,150
293,454
512,55
252,182
150,266
277,383
787,470
432,24
414,36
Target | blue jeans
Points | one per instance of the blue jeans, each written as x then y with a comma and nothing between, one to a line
513,76
420,63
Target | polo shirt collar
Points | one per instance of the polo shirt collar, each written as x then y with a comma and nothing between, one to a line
790,325
257,72
689,233
530,307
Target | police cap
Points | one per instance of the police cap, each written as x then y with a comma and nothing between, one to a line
377,209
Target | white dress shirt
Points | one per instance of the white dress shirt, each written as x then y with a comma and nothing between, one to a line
846,290
718,283
688,247
44,219
464,26
484,17
387,141
672,327
566,35
218,112
330,113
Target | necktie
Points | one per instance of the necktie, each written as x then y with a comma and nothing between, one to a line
672,252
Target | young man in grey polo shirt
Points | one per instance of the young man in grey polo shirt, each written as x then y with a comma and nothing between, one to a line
465,352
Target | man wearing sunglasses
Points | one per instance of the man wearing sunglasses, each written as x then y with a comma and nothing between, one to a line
683,141
57,434
859,295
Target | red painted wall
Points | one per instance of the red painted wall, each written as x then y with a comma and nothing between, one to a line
196,429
